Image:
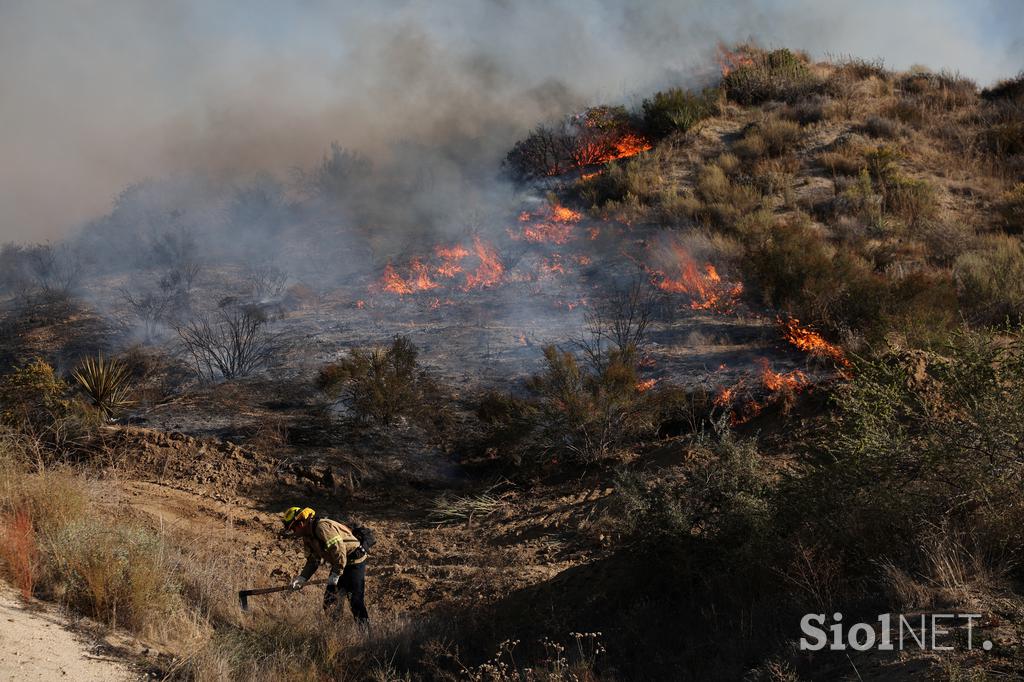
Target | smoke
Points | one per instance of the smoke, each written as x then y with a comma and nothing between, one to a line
98,94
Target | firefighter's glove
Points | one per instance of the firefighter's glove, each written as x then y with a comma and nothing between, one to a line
297,582
332,581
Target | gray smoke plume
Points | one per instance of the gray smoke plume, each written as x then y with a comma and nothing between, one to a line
98,94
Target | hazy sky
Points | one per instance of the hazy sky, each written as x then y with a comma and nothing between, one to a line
96,94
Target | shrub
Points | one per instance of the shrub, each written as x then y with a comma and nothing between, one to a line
914,201
779,75
677,110
593,136
32,396
589,413
114,573
880,126
19,550
1005,139
1008,89
381,384
924,441
233,342
106,382
1011,210
862,69
991,280
843,159
723,494
780,136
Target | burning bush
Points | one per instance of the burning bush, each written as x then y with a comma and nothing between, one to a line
597,135
677,110
381,384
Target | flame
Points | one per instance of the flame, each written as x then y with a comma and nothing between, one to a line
553,226
489,271
706,289
593,233
581,259
724,397
774,382
729,60
645,385
391,281
553,265
450,260
629,144
360,304
812,342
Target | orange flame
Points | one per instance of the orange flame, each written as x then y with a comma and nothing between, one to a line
645,385
729,60
360,304
489,271
811,342
450,260
773,381
706,289
392,282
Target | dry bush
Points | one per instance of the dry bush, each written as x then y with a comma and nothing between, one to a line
880,126
1011,209
233,342
858,68
115,572
779,75
32,396
991,280
1007,89
19,551
844,159
724,201
913,201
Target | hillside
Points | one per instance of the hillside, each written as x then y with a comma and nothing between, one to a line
748,352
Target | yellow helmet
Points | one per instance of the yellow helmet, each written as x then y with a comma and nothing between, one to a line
292,515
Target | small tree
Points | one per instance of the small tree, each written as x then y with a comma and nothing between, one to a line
234,342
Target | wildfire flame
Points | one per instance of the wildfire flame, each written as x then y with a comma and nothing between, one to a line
704,285
628,145
554,226
450,260
773,381
489,271
645,385
730,60
811,342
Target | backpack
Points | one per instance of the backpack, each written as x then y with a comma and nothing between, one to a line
365,536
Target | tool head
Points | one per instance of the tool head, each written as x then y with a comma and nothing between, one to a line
243,600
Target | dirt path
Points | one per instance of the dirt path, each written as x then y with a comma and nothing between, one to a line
39,645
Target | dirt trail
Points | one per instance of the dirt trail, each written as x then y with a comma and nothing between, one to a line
39,645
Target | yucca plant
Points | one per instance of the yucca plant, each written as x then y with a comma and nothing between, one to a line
105,381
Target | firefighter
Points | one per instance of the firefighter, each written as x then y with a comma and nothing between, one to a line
327,541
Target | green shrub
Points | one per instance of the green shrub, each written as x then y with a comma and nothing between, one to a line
723,493
677,110
924,441
32,396
106,382
381,384
779,75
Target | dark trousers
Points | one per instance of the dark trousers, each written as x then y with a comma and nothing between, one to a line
353,585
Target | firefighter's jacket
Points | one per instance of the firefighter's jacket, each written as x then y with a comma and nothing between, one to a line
331,542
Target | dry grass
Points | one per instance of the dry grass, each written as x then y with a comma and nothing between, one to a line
20,552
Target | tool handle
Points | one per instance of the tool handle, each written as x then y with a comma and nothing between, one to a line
271,590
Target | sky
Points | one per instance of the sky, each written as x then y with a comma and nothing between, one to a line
98,94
